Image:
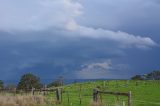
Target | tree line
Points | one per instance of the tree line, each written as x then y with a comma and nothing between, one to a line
29,81
154,75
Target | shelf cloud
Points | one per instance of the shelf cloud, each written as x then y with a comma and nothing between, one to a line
60,14
58,37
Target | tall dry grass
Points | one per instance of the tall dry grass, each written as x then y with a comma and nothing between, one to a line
18,100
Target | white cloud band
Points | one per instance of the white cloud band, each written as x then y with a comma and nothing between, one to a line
43,14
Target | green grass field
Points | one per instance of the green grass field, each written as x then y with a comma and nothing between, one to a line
144,93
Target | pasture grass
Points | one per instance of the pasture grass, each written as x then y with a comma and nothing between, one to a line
144,93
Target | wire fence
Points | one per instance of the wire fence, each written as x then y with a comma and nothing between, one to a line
82,94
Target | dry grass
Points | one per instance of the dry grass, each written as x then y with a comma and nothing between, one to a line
98,103
22,100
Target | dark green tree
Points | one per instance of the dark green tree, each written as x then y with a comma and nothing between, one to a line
1,84
155,75
29,81
137,77
58,82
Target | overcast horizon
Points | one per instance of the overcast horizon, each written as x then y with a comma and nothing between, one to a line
79,39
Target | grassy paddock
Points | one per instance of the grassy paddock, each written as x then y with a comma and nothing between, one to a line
144,93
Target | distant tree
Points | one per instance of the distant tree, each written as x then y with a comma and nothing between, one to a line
28,81
1,84
137,77
57,82
155,75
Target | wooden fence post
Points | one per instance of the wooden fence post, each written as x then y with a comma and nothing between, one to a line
61,95
68,98
14,91
45,88
80,96
95,95
129,99
104,84
21,92
58,95
33,90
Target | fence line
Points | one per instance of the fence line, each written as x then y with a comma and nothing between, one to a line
57,90
96,91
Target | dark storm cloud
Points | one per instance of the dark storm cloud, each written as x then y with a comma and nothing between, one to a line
60,55
60,37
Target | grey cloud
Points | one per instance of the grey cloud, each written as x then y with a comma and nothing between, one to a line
122,37
58,37
56,54
113,14
137,17
37,14
105,69
61,14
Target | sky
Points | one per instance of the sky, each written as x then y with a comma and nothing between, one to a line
79,39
